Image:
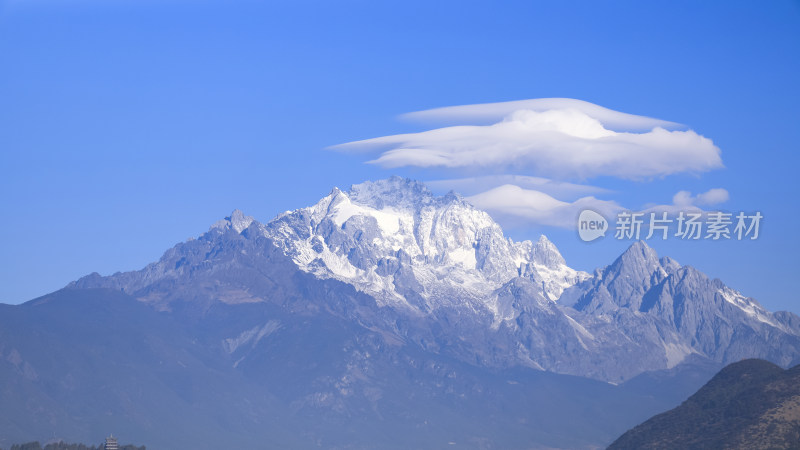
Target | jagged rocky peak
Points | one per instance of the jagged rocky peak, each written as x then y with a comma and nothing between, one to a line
383,236
546,253
236,221
403,214
625,281
396,214
639,261
670,265
394,192
639,251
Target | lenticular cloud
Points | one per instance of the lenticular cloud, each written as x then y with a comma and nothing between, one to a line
485,113
568,140
515,206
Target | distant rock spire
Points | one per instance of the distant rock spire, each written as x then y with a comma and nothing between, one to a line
237,221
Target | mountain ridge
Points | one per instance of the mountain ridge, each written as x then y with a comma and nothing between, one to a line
437,260
395,320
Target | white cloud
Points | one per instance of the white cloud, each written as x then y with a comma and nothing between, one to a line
474,185
491,112
513,206
711,197
557,143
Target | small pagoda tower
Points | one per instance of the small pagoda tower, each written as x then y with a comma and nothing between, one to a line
111,443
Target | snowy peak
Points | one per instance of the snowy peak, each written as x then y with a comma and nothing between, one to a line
546,254
387,236
395,192
547,268
237,221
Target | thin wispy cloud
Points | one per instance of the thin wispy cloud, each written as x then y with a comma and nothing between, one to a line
711,197
563,143
474,185
684,201
514,206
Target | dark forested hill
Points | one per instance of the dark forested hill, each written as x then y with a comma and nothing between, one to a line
35,445
752,404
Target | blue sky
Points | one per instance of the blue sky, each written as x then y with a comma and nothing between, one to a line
130,126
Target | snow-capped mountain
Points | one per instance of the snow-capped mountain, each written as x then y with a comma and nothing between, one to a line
443,277
398,242
379,304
